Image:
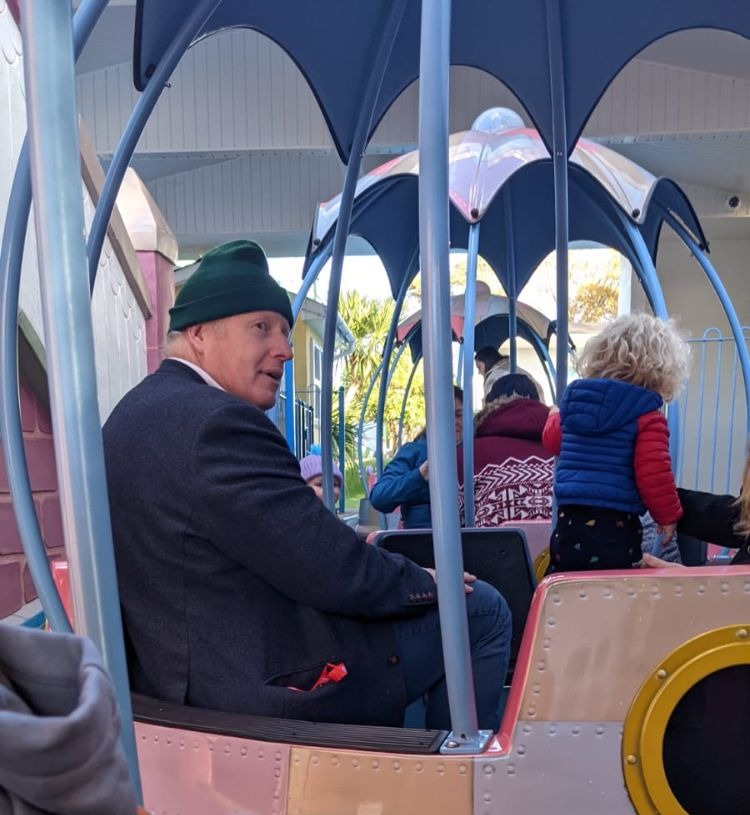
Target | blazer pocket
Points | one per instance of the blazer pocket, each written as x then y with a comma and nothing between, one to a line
307,678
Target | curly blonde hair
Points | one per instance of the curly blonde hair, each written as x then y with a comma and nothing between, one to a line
639,349
742,527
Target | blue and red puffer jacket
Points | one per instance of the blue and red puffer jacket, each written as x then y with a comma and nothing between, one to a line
613,444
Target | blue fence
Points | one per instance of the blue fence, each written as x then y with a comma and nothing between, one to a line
713,444
304,425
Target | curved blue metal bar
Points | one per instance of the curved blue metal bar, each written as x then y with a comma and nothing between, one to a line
385,40
191,25
717,400
361,425
299,299
724,299
11,434
646,272
405,401
386,380
560,165
54,158
434,88
470,298
10,414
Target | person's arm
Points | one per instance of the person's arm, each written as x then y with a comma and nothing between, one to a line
653,470
552,433
710,517
401,481
252,504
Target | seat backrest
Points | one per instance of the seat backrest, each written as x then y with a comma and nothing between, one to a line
498,556
537,534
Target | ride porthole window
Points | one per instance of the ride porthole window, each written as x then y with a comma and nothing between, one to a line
685,747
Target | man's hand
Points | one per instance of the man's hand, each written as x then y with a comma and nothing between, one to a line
468,579
424,470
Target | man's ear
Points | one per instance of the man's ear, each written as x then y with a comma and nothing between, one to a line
196,337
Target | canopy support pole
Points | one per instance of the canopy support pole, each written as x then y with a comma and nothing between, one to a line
510,263
134,128
560,166
405,401
434,88
386,380
11,434
69,339
361,426
390,27
470,306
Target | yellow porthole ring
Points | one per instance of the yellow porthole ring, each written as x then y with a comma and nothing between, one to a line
653,705
541,562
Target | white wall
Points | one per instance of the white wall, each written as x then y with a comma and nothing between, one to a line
119,330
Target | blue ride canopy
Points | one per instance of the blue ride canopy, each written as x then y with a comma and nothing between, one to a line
334,40
505,181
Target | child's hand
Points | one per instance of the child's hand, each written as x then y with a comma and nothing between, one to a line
424,470
653,562
667,532
554,409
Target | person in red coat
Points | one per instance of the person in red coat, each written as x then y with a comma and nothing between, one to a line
512,471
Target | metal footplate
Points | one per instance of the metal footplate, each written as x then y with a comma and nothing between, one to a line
462,745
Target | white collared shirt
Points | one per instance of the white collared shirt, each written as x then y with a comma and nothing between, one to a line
206,377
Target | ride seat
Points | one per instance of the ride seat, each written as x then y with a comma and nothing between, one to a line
537,534
499,556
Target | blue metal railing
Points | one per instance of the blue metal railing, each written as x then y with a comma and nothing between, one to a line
304,424
712,448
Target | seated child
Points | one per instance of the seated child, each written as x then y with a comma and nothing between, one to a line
613,444
311,468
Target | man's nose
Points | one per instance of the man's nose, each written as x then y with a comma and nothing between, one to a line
283,347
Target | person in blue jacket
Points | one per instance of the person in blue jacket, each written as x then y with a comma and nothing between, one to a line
404,482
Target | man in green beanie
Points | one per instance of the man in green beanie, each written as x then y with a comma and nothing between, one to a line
232,320
240,591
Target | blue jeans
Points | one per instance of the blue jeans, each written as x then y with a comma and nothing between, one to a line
421,654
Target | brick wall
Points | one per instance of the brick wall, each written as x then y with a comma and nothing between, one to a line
16,586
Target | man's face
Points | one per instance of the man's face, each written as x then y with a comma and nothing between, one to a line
458,420
246,353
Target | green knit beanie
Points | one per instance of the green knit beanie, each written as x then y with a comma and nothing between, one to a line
231,279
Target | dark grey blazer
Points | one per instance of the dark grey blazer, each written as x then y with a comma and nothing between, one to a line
236,583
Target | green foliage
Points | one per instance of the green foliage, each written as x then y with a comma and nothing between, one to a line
595,300
369,321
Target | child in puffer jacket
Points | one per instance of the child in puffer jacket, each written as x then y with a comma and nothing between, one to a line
613,444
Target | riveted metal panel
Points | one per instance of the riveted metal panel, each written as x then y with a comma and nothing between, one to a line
325,782
565,767
599,636
189,773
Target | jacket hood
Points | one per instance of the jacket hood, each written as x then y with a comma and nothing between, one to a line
593,406
520,419
59,728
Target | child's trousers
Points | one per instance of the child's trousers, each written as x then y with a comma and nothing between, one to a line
587,538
